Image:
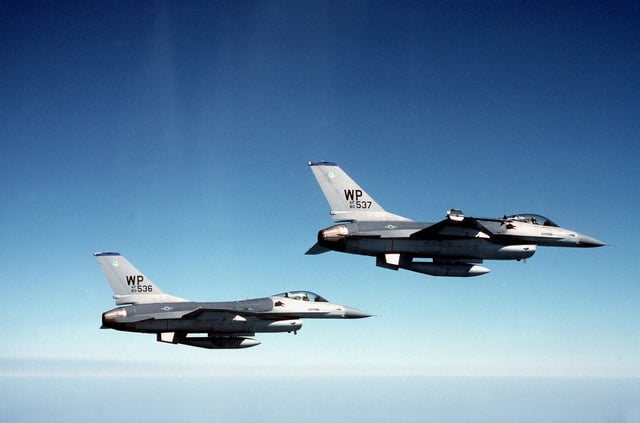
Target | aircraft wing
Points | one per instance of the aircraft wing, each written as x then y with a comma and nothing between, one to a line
218,313
452,229
227,314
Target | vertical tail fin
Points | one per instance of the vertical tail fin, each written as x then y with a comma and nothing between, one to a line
348,201
128,284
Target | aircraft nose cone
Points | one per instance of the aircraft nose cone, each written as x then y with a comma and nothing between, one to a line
589,242
354,313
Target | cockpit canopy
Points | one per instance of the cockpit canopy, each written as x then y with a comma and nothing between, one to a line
536,219
303,296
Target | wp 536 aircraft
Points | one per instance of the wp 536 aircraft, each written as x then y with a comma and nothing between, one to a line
456,245
220,325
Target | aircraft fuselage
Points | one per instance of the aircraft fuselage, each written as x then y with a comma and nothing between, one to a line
271,314
488,239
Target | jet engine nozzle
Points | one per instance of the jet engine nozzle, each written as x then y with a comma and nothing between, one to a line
334,237
109,318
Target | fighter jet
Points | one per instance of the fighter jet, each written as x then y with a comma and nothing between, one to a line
220,325
456,245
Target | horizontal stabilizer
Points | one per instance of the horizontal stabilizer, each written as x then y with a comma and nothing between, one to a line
317,249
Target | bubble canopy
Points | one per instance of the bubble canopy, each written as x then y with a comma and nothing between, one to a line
536,219
302,296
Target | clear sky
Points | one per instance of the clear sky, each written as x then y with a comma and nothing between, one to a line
178,134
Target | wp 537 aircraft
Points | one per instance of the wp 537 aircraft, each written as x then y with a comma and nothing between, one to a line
220,325
456,245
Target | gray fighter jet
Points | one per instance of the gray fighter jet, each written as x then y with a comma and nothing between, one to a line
220,325
457,245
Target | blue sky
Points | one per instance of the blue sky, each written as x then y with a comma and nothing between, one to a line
178,134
